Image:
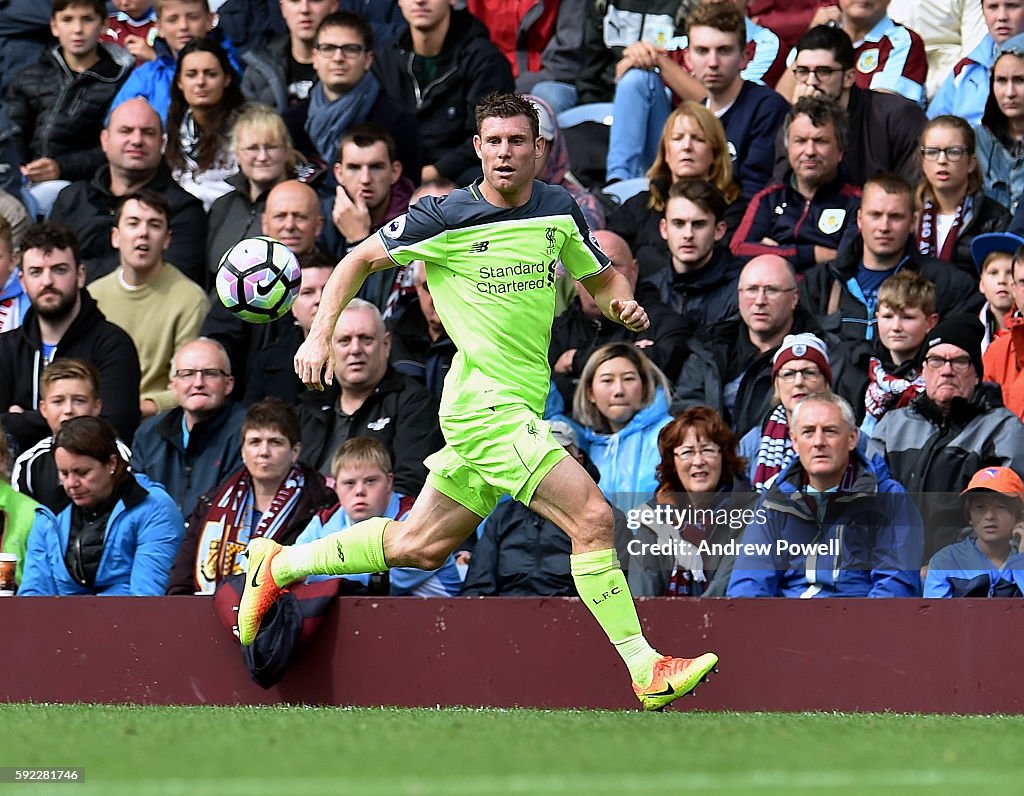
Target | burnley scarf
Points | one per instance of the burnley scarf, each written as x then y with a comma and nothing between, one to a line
775,452
928,230
328,121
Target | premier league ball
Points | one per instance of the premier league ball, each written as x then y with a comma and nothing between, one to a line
258,279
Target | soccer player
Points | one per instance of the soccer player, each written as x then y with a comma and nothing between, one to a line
490,250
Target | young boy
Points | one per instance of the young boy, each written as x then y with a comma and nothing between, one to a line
133,26
57,105
177,22
987,563
13,301
906,312
993,257
363,482
1004,358
68,388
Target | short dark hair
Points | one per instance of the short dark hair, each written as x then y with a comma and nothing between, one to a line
821,111
316,259
99,6
147,197
825,37
507,106
722,16
891,184
364,135
273,413
702,193
47,236
350,20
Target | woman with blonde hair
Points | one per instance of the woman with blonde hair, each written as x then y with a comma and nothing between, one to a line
620,405
693,144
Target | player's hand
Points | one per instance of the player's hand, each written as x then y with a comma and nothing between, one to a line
41,170
138,47
312,361
564,363
630,314
351,217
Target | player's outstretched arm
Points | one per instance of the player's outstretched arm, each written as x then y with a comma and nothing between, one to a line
614,296
314,361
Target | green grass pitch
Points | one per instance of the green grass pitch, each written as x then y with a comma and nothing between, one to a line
196,751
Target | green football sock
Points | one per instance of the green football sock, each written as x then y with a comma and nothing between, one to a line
357,549
602,586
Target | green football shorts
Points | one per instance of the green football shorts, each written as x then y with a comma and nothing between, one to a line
497,451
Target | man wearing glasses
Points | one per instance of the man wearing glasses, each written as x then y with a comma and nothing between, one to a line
348,93
884,127
193,447
957,427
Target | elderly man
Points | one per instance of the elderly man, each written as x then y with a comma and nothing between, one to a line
832,525
133,144
582,328
193,447
803,217
370,399
730,364
957,427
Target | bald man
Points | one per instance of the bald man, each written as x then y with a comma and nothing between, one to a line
582,329
730,362
132,142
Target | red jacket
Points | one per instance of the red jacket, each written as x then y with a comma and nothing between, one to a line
1004,364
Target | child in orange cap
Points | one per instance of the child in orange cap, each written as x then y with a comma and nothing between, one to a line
986,564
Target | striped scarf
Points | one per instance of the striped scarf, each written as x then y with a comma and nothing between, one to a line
775,452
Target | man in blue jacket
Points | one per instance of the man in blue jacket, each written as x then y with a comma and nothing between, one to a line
833,525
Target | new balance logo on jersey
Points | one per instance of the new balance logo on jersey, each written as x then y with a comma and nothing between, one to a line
479,247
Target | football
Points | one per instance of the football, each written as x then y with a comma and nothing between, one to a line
258,279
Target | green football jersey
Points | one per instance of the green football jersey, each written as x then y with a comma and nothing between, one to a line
491,273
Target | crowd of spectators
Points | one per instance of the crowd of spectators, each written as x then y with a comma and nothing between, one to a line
824,225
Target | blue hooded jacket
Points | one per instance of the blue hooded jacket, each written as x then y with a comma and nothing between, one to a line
139,546
962,570
873,539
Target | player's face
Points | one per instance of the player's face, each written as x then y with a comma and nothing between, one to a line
361,348
292,216
1004,18
268,455
340,73
715,57
688,152
52,281
202,80
78,29
302,17
363,491
261,157
509,154
367,173
132,140
997,283
181,21
886,221
902,331
87,481
943,174
311,288
803,378
991,516
1008,86
68,398
698,463
691,233
141,236
814,152
617,391
198,393
823,441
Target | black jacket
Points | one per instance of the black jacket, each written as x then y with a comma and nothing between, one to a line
315,497
852,383
233,217
725,345
213,453
850,318
414,353
469,67
668,334
704,296
400,414
639,226
60,112
270,369
988,216
885,131
90,337
88,206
